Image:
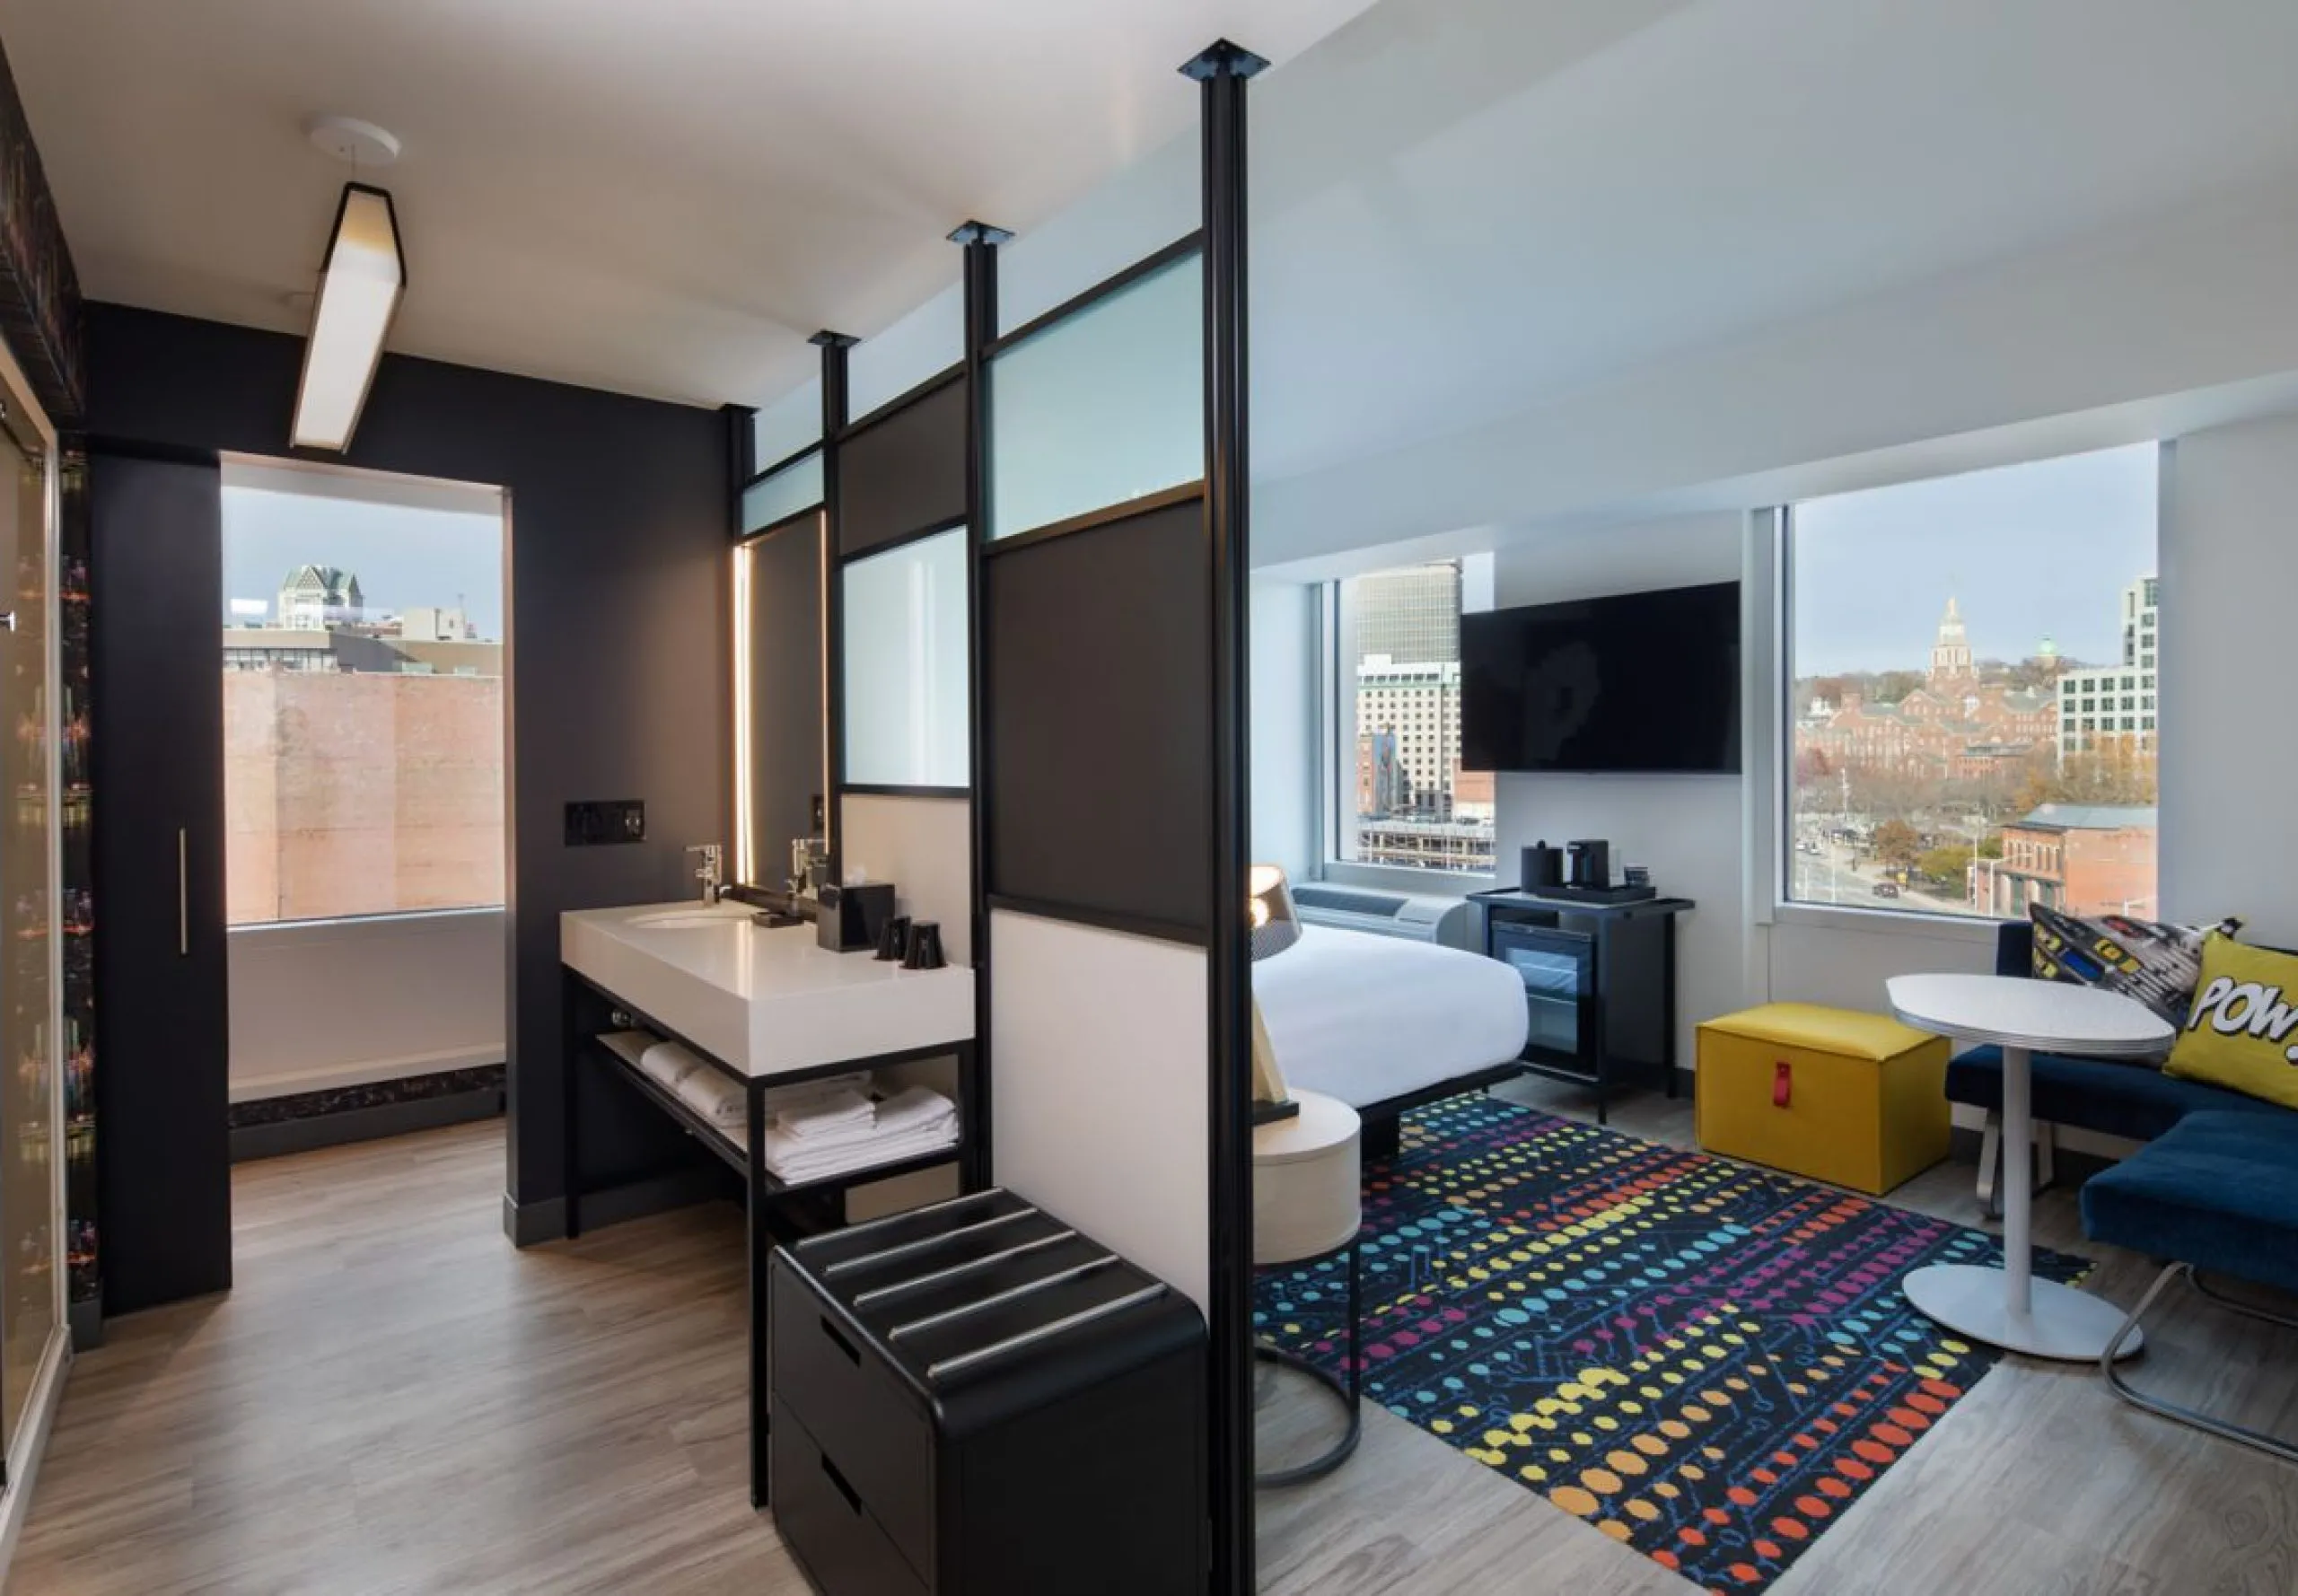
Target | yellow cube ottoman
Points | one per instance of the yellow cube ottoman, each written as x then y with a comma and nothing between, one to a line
1856,1100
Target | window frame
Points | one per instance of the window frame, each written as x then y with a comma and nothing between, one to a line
1768,573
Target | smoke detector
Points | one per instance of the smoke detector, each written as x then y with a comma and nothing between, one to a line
353,142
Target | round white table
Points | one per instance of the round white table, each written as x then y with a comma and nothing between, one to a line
2008,1307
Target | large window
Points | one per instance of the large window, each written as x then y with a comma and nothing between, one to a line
1401,798
1971,703
362,697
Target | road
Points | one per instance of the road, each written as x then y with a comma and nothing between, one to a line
1832,877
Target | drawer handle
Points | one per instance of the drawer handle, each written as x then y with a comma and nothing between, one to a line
853,1497
1783,1083
853,1356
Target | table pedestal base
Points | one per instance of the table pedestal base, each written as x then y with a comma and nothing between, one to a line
2060,1322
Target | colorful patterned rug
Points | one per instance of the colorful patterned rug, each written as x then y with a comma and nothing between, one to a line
1707,1360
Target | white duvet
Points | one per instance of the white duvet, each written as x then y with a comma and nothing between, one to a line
1364,1018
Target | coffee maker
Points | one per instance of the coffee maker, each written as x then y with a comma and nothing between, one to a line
1591,863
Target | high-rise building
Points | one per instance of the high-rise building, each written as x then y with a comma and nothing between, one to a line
2101,703
319,596
1411,615
1420,704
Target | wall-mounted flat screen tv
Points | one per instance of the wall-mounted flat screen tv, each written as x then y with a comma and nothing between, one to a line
1640,682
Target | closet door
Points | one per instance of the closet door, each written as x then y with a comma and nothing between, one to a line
163,1142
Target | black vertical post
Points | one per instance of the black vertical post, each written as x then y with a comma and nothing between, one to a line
741,458
834,347
1223,70
981,240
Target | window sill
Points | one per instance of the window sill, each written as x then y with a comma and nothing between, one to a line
1392,878
1886,922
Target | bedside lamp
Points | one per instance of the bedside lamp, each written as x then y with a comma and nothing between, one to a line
1276,926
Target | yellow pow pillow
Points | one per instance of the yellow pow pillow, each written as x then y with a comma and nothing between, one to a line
2242,1032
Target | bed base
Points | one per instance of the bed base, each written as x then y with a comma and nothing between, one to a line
1382,1121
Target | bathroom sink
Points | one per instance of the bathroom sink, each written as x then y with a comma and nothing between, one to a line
692,919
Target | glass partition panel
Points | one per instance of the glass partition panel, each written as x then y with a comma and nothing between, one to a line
905,663
1102,407
796,486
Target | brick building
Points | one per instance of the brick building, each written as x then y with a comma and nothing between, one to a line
2085,858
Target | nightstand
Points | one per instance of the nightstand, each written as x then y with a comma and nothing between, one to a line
1307,1207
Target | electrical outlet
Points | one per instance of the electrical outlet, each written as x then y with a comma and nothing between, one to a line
601,821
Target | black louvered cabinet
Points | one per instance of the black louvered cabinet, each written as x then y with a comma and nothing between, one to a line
974,1399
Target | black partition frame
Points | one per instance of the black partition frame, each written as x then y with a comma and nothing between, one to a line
931,420
1222,498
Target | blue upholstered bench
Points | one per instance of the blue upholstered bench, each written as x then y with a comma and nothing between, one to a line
2119,1099
2216,1192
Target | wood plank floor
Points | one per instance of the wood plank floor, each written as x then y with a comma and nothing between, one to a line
393,1399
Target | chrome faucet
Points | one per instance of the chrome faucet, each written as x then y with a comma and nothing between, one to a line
710,872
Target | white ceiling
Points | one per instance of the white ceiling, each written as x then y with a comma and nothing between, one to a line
662,198
1665,175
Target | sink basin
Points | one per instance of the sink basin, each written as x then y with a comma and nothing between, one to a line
694,919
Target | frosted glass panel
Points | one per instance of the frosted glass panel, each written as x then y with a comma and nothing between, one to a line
1102,407
796,486
905,648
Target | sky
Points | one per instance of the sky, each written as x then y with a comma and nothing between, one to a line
2026,550
403,557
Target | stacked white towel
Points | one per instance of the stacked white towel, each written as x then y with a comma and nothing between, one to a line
667,1062
826,1137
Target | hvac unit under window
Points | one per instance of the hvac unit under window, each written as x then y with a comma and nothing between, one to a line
1446,921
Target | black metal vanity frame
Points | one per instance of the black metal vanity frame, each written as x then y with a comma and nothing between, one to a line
772,1206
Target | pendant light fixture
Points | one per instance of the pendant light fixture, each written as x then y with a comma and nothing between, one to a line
361,282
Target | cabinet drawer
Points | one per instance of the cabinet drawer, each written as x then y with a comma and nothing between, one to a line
841,1391
825,1519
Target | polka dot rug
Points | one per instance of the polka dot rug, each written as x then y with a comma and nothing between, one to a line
1704,1359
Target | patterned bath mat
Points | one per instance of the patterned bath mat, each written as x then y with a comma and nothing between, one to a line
1708,1361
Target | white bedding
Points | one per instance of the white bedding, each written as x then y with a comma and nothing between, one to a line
1364,1018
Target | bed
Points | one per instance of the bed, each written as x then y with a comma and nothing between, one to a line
1385,1024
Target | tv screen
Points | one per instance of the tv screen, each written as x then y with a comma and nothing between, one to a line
1640,682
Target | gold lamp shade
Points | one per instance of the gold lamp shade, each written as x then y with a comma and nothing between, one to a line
1275,924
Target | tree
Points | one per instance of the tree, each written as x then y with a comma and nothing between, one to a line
1892,686
1951,863
1897,845
2119,771
1990,848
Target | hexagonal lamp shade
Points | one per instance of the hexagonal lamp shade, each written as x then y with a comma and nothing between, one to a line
360,287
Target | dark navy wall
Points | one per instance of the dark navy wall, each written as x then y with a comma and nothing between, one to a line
618,606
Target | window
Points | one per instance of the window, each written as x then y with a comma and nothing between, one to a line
1400,796
1985,621
363,647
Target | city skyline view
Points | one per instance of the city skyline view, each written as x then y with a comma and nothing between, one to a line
363,762
2028,551
1986,764
405,558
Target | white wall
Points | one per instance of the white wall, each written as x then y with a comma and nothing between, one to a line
335,1003
1101,1100
1690,829
2147,331
2229,755
1284,768
924,847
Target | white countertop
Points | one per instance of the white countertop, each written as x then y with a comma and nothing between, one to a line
764,1001
2017,1011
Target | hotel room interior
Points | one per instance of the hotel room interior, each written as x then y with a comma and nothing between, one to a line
1488,797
